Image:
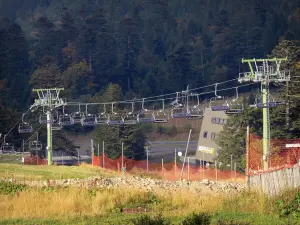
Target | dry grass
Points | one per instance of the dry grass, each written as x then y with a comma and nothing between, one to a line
69,202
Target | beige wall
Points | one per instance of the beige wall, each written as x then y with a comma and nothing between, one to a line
209,127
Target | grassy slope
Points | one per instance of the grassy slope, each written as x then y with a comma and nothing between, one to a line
53,172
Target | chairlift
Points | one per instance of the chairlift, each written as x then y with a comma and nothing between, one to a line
180,110
114,118
35,145
214,103
88,119
43,119
55,123
196,112
65,119
7,147
77,116
161,116
24,127
130,118
145,115
259,104
236,106
102,118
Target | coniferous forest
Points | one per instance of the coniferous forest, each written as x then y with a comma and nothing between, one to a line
142,47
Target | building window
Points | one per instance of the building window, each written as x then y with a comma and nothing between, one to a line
205,133
213,135
220,121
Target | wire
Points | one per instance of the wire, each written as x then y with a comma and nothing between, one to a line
30,137
1,140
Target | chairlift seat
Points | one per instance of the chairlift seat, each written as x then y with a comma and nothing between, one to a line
88,120
195,113
267,105
56,126
180,113
35,146
115,119
43,119
101,118
7,148
234,111
130,119
161,117
66,120
24,128
145,117
77,117
219,107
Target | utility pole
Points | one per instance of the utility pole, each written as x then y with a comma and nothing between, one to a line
268,71
49,99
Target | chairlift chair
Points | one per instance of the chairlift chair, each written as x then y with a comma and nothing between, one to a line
236,106
214,103
7,147
24,127
65,119
102,118
180,110
35,145
145,115
161,116
43,119
114,118
196,112
130,117
88,119
77,116
259,104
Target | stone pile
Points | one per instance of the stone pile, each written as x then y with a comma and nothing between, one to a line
140,183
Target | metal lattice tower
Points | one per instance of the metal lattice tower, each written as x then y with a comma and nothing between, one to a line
49,99
265,71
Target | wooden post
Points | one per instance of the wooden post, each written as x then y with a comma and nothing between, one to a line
188,168
162,169
247,150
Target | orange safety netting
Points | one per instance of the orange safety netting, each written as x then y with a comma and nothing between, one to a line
280,156
167,171
34,160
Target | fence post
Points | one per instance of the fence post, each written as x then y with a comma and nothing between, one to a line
216,168
235,172
188,168
103,155
162,169
98,155
175,163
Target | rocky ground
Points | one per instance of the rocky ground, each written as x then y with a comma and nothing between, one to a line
147,184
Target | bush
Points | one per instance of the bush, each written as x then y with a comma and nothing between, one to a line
148,220
289,208
172,131
8,188
197,219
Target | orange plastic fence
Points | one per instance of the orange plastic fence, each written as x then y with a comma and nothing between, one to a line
168,171
34,160
280,157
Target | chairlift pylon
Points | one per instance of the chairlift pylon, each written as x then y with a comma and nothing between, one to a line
161,116
24,127
214,102
145,115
